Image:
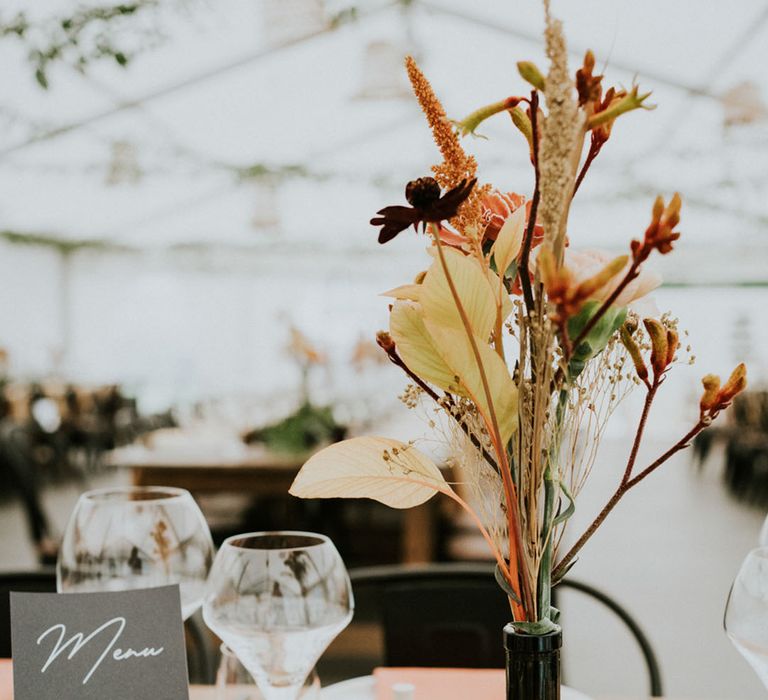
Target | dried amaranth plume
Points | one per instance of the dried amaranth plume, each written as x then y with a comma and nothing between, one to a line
561,136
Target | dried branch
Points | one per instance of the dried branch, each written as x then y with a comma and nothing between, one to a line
524,272
627,481
395,359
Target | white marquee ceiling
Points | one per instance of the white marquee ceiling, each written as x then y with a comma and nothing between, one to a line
213,96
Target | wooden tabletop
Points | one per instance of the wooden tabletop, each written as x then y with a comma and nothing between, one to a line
258,471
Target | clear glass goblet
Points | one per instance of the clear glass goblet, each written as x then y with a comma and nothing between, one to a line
763,539
746,612
278,599
125,538
234,682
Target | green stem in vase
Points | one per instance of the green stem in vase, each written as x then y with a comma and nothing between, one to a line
550,488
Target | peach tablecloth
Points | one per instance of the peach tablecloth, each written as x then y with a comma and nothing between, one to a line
6,685
199,693
6,680
446,683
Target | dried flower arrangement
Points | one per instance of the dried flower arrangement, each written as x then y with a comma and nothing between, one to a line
502,269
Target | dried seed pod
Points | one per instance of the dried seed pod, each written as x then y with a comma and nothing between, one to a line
711,384
658,335
673,343
736,383
634,352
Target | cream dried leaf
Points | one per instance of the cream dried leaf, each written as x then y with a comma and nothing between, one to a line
406,292
472,287
458,353
417,348
385,470
509,241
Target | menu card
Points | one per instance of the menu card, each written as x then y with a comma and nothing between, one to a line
97,646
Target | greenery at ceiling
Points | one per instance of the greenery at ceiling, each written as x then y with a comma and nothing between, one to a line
88,35
109,32
62,245
262,171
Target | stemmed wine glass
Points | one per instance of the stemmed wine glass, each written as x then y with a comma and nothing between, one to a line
763,540
277,599
136,537
233,682
746,612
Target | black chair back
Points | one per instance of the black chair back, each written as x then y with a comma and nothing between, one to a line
436,617
43,581
451,615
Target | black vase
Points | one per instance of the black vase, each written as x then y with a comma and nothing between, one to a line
533,665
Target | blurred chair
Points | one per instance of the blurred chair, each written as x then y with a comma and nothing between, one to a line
451,615
43,581
199,653
745,441
19,472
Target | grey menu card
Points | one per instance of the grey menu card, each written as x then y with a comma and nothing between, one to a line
99,646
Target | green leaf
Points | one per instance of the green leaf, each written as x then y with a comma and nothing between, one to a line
41,78
530,72
570,510
504,584
597,338
539,628
557,580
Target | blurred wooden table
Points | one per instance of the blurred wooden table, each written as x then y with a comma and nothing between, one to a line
261,473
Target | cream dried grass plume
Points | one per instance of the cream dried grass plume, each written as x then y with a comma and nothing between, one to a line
562,137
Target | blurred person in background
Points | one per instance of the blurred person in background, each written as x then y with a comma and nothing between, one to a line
18,466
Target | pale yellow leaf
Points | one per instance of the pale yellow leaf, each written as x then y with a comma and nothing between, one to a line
472,287
509,241
500,294
408,292
416,348
385,470
456,350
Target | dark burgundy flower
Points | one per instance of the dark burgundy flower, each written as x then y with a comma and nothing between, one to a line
427,206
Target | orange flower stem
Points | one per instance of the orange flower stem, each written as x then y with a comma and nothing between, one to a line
483,531
448,491
513,521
